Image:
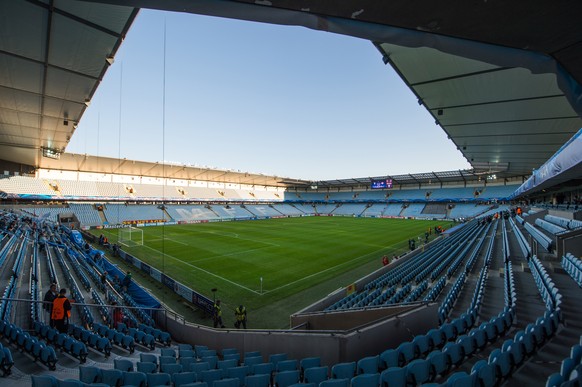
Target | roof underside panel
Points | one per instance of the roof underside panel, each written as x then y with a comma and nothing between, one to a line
493,113
52,60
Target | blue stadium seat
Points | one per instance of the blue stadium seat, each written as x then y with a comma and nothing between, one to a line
343,371
389,358
210,376
515,350
502,363
185,362
146,367
309,362
134,378
393,377
232,356
148,357
461,379
277,357
160,379
287,365
366,380
316,374
225,364
252,354
252,360
334,383
123,365
480,338
199,367
71,383
423,345
227,382
261,380
211,360
555,380
286,378
111,377
486,373
240,372
368,365
89,374
262,369
455,352
418,372
186,353
44,381
167,360
468,343
171,368
406,353
439,361
184,378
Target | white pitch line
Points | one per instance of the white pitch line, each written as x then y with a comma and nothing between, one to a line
328,269
175,241
230,254
235,236
205,271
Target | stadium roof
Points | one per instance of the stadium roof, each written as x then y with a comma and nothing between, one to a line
53,55
467,176
94,164
503,79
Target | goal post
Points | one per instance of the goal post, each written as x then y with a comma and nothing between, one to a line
130,236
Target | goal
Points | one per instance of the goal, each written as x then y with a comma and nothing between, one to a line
131,236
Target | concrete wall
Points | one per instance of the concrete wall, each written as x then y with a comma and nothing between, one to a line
569,242
333,347
346,319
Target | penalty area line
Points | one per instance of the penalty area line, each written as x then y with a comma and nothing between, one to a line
329,268
205,271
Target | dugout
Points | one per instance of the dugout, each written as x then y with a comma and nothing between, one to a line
69,219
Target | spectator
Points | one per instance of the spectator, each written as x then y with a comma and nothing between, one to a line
117,315
61,312
126,281
49,297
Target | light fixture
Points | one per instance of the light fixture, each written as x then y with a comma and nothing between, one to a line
51,153
87,102
110,59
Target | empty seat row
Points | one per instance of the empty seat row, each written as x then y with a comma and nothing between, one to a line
120,339
570,369
523,243
63,341
549,227
543,240
92,339
38,349
573,266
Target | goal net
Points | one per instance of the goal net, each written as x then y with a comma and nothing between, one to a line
131,236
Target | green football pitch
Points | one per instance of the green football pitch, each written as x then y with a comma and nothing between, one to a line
274,267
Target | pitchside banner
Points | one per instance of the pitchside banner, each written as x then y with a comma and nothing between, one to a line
185,292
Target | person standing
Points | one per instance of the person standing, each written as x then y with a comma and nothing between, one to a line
49,297
217,315
117,315
61,312
241,317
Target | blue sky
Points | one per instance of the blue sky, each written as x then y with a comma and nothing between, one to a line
278,100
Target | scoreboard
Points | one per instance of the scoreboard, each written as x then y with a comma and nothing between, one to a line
382,184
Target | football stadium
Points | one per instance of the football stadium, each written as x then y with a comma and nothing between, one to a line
120,272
